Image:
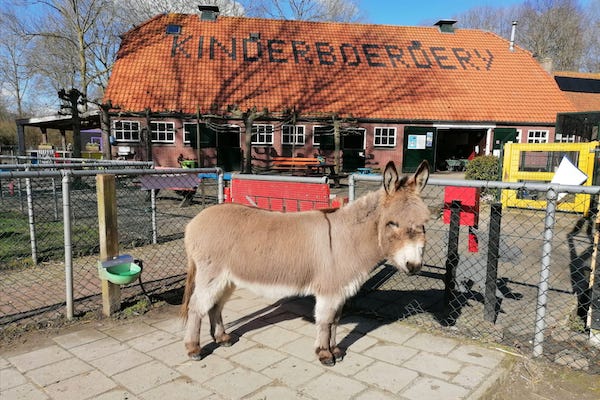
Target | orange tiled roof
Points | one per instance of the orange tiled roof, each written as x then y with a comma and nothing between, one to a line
366,71
583,101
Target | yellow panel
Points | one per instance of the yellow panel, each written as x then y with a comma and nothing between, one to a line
511,173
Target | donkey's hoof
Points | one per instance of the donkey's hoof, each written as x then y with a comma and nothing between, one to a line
325,357
225,340
338,354
328,362
196,356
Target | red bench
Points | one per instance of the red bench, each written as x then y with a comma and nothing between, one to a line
280,195
307,166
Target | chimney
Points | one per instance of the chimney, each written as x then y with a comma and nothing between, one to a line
208,13
513,30
547,64
446,25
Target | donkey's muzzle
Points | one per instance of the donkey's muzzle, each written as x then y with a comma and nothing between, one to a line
413,268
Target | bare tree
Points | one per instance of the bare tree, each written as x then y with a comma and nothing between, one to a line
134,12
15,75
309,10
76,43
489,18
591,34
554,29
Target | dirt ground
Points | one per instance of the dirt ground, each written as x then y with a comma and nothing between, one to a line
538,380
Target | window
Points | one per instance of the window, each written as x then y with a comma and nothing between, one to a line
560,138
323,137
537,136
519,136
173,29
385,137
262,134
163,132
292,134
126,131
189,128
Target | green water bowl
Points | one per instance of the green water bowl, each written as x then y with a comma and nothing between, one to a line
120,274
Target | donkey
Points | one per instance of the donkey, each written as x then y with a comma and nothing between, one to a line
325,253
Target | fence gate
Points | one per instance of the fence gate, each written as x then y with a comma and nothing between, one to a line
537,162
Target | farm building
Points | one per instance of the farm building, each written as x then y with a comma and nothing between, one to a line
357,94
583,89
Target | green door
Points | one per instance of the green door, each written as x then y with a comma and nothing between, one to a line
501,136
419,145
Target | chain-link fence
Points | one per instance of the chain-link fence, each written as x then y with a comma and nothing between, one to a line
519,277
49,220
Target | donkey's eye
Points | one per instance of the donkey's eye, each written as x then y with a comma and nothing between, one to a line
392,224
416,230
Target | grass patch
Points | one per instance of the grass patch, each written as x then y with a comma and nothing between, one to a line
15,241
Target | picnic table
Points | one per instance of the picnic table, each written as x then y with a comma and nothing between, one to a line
183,184
457,164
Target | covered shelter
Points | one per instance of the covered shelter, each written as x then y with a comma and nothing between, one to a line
62,123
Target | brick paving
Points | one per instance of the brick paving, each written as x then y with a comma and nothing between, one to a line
273,358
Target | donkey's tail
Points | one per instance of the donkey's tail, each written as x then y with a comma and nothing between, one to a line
189,287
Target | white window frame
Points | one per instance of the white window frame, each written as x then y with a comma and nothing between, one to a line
560,138
164,132
186,133
297,134
537,136
262,134
128,132
315,127
387,136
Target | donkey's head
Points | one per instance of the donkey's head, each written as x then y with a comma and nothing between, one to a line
402,220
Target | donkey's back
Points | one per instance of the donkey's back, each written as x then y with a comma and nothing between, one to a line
251,246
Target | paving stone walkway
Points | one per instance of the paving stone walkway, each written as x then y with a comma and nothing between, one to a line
273,358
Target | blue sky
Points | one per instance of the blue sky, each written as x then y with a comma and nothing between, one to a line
419,12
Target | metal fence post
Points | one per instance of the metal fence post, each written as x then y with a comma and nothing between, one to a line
489,309
542,297
31,220
153,216
220,186
452,260
67,223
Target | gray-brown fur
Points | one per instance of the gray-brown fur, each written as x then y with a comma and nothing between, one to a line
328,254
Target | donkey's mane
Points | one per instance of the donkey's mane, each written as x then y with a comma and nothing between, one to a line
362,209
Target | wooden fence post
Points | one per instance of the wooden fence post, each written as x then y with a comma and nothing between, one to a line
109,238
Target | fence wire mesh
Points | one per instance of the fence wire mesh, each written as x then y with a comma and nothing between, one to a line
32,245
151,223
514,318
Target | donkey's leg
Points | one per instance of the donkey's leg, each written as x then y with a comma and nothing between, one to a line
203,299
191,337
217,329
326,309
338,353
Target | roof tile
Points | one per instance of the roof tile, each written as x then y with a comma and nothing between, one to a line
368,71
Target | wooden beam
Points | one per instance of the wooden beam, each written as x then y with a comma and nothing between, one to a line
109,238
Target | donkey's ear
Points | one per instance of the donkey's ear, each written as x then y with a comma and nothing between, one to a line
390,178
421,176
